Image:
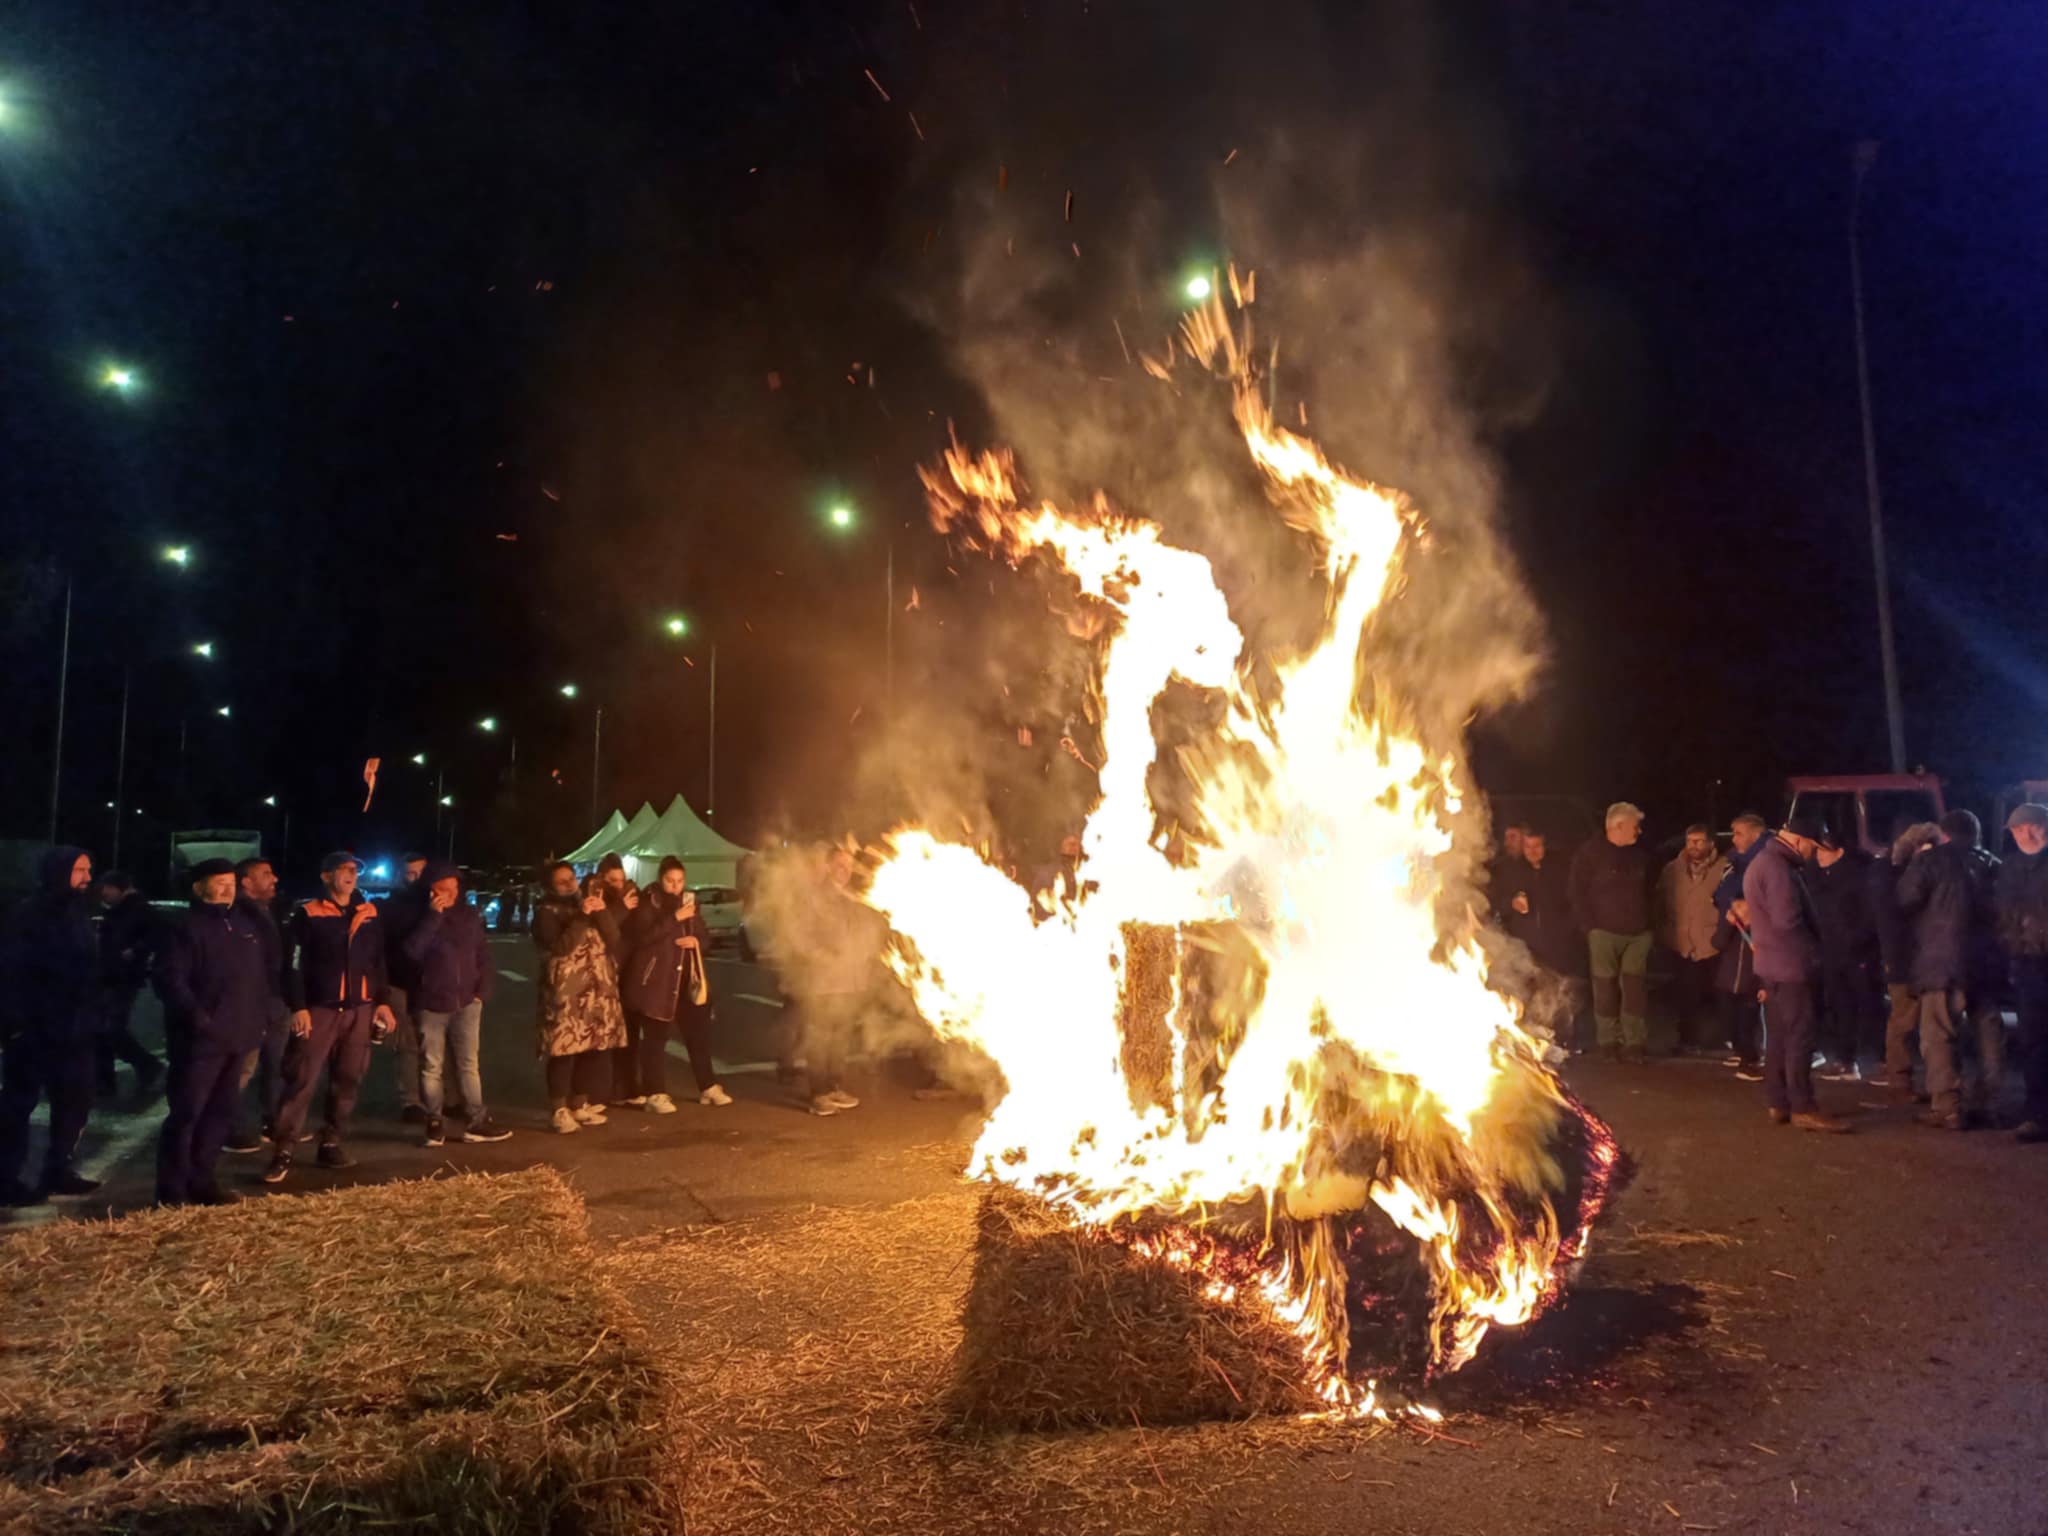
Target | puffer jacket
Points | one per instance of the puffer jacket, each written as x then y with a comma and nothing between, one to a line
1946,891
656,983
334,955
50,958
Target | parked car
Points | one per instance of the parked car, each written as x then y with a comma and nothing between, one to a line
719,906
1870,808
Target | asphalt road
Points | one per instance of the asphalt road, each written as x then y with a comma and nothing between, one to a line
1776,1332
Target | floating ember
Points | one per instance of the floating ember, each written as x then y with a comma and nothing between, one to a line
1256,1044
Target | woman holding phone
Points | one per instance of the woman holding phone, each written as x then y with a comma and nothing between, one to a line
666,986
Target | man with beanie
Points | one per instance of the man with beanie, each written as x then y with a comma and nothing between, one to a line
2023,927
452,977
49,1014
1780,921
334,979
1946,891
1610,892
216,994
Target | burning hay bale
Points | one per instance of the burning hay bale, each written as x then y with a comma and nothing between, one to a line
441,1355
1064,1326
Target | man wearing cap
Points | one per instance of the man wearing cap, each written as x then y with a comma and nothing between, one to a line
216,994
1946,891
334,979
1781,925
2023,927
1610,894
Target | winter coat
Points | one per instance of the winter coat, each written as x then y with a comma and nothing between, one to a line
129,936
214,978
1946,892
611,922
448,955
660,979
401,912
2022,896
1894,932
334,955
273,946
1841,906
1781,919
579,986
50,959
1687,920
1547,926
1610,887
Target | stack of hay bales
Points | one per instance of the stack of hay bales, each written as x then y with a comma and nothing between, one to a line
444,1355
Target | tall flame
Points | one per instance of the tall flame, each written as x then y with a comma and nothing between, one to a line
1366,1059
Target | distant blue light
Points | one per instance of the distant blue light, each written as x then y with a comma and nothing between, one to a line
380,871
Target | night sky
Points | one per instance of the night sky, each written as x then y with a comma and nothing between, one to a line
469,351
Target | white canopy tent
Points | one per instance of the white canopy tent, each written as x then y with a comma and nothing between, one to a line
593,849
642,823
680,832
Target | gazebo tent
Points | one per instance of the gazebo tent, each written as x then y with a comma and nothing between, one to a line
642,823
593,848
681,832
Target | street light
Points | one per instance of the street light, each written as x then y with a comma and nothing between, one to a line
676,625
204,648
447,799
178,554
271,801
487,724
119,378
223,711
840,516
568,690
1198,288
419,759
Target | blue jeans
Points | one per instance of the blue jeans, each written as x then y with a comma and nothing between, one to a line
440,1035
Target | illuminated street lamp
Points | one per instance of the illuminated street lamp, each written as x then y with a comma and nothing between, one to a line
204,648
447,799
676,625
840,516
178,554
223,711
271,801
419,759
1198,288
119,378
568,690
488,724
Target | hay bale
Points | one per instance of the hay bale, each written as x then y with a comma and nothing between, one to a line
1063,1326
444,1352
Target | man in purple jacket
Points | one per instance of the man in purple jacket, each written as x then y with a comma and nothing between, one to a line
1787,940
452,976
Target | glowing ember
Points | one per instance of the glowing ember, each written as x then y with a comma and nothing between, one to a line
1331,1046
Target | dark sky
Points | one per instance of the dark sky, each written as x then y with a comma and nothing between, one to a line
456,340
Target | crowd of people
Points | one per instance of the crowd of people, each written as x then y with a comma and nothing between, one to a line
1800,955
263,1002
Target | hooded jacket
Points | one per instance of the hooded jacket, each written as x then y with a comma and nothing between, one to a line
334,955
448,953
215,980
1946,891
655,979
50,957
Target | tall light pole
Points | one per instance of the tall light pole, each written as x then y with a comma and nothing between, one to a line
1894,712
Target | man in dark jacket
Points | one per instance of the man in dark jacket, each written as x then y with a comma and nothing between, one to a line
1536,907
1849,965
2023,928
129,935
256,899
49,1013
1946,891
216,990
449,956
401,912
1778,914
1610,893
334,980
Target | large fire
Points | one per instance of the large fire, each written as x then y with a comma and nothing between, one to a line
1335,1047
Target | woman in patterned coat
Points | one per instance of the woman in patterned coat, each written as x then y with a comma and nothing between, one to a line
581,1020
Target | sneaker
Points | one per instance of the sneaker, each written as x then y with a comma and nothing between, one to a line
280,1165
333,1155
841,1099
589,1114
637,1101
823,1105
1731,1061
437,1133
2031,1132
1814,1120
565,1122
1749,1072
715,1096
484,1128
659,1104
413,1114
70,1186
243,1141
15,1193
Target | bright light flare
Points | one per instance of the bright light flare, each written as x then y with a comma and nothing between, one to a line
488,724
840,517
178,554
568,690
204,649
1198,289
676,625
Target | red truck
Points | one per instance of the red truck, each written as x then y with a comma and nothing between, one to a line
1868,810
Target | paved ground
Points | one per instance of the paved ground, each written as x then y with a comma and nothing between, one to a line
1777,1333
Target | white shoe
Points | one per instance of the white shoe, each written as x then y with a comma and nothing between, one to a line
638,1101
841,1099
715,1096
565,1122
659,1104
589,1114
823,1105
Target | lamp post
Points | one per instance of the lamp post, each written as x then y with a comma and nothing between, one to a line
1894,711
